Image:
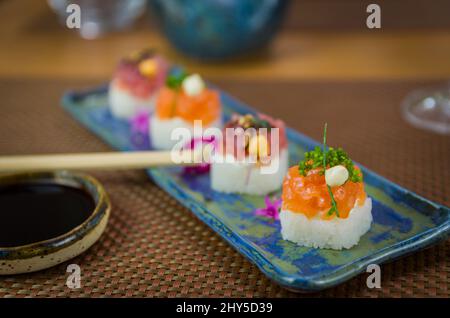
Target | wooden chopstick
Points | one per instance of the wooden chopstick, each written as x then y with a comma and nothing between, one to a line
94,161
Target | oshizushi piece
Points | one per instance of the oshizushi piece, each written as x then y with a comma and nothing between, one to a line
263,163
136,82
184,100
325,207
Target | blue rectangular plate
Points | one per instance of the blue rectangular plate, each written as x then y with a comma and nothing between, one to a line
403,221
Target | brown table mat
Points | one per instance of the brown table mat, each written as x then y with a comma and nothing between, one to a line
155,247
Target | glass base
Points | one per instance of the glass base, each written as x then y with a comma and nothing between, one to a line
428,109
98,17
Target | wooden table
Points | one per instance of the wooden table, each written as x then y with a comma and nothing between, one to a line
34,45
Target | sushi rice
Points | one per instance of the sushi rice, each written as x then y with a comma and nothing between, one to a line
334,234
231,176
125,105
160,131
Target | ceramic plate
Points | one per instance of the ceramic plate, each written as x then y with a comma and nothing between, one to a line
403,221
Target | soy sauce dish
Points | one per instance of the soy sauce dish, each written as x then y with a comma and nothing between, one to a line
48,218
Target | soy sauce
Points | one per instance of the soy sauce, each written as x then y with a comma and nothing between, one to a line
33,212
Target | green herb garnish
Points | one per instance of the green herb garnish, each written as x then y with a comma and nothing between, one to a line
334,157
327,158
265,124
174,81
333,208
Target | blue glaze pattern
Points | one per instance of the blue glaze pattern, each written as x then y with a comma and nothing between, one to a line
403,221
218,29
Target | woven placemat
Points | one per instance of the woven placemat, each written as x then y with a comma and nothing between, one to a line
155,247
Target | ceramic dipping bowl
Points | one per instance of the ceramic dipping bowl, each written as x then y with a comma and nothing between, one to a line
65,234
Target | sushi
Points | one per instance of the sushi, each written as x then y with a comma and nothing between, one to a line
324,204
250,172
135,84
184,101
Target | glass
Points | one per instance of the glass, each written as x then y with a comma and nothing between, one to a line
429,109
100,16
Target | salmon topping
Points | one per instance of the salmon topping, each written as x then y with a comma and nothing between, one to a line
175,103
309,194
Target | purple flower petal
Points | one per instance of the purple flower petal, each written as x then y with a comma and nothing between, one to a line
139,123
276,215
263,212
277,203
271,209
192,144
139,127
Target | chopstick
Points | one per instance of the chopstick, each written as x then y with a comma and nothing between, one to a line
94,161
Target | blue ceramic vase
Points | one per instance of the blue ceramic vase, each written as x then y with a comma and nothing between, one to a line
218,29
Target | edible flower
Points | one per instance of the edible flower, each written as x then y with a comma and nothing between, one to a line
195,143
139,129
271,210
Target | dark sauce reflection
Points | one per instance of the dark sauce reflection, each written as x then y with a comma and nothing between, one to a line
31,213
